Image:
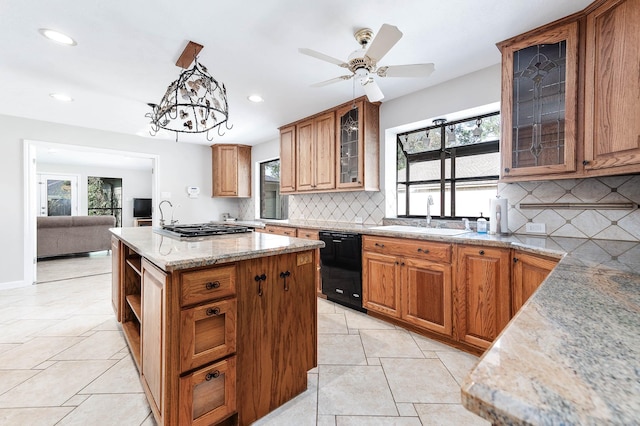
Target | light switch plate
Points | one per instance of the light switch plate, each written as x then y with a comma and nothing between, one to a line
535,228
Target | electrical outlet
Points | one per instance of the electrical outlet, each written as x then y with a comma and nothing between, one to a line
535,228
358,219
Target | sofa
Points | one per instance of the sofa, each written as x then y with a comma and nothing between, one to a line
62,235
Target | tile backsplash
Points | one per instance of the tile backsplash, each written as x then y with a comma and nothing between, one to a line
607,224
596,223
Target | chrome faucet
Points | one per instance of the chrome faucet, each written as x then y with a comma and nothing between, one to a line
429,204
161,214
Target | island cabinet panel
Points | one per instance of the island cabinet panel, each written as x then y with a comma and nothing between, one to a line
528,272
276,331
154,283
116,279
207,284
208,395
207,333
482,293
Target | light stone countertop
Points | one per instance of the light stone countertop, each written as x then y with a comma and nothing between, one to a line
169,253
571,355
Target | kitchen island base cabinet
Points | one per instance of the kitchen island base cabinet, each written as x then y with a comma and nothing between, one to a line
215,346
277,331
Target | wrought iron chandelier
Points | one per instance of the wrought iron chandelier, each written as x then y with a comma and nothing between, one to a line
194,103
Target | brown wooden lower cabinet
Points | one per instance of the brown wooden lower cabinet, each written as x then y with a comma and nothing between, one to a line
528,272
409,280
222,344
482,289
426,295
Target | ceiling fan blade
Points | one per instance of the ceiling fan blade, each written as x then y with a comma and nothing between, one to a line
333,80
386,38
414,70
372,90
322,57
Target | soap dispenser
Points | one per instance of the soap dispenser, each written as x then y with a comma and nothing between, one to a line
481,224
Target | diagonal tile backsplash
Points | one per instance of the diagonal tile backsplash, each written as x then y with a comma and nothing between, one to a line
598,223
603,224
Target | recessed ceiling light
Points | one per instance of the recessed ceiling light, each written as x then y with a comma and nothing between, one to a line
255,98
61,97
57,37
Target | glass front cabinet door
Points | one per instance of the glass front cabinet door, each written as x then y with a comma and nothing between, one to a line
539,102
350,145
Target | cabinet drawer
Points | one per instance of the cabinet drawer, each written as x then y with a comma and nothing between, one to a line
207,284
310,234
280,230
420,249
208,395
207,333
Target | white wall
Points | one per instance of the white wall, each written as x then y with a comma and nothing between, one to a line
135,184
180,165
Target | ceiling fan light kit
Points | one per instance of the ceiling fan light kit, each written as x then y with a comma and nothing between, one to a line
194,103
363,63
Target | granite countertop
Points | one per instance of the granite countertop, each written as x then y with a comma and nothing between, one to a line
169,253
571,355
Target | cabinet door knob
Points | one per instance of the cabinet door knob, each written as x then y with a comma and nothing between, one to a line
213,311
507,170
423,251
213,375
481,252
585,162
515,260
212,285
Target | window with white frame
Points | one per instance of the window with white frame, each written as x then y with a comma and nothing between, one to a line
273,205
457,163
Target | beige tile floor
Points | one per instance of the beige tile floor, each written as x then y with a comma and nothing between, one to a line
63,361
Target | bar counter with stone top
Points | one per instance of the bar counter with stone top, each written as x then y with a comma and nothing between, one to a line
171,254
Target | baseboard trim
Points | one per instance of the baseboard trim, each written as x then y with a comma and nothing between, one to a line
13,284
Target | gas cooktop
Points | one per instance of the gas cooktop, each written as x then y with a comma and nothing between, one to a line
203,229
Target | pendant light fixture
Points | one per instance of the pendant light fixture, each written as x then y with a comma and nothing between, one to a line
194,103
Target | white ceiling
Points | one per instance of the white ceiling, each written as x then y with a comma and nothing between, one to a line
126,53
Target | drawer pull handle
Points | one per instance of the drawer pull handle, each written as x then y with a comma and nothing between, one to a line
213,375
423,251
481,252
259,279
212,285
379,245
284,276
213,311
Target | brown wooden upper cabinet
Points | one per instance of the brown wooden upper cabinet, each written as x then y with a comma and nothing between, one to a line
335,150
231,170
539,89
570,93
357,146
315,153
612,87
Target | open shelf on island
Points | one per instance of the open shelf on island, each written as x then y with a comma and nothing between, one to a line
135,302
132,335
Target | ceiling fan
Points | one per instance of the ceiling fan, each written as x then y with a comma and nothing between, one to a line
363,63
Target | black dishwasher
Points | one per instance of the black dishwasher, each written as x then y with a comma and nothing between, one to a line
341,268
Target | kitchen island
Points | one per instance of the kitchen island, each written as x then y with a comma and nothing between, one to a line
212,322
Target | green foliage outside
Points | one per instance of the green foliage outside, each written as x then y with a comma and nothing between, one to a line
104,197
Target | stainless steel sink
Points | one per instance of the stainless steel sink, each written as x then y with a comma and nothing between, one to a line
420,230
